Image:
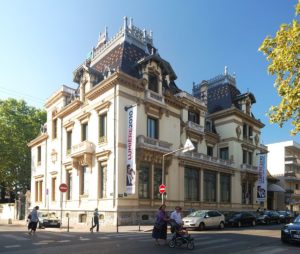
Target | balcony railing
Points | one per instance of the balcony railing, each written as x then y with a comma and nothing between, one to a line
153,143
155,97
195,127
201,156
290,159
249,167
82,148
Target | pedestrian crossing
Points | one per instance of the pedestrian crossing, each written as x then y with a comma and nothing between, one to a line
205,243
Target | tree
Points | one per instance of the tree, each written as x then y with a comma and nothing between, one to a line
19,124
283,52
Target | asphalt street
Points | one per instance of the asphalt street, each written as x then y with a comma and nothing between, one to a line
261,239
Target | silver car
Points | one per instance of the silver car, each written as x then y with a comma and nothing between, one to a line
202,219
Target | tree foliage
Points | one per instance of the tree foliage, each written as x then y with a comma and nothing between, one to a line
283,52
19,124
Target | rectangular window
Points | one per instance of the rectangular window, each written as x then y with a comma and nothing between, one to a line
225,187
69,141
54,129
245,130
247,193
193,117
210,186
152,127
53,189
103,128
191,184
84,131
244,157
224,155
39,155
153,82
157,182
84,181
210,151
69,183
250,158
144,181
195,144
39,191
102,180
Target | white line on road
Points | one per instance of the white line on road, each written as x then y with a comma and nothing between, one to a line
15,237
84,239
40,243
63,241
12,246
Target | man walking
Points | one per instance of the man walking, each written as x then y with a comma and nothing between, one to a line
34,220
96,221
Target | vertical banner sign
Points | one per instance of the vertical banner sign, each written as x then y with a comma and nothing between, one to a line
262,178
131,151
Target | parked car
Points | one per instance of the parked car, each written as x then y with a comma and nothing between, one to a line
202,219
285,216
48,220
241,218
268,217
291,232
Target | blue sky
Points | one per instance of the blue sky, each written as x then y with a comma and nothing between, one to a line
43,42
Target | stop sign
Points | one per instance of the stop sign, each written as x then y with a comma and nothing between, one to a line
63,187
162,188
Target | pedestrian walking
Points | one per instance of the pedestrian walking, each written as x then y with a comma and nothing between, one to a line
34,219
95,221
160,225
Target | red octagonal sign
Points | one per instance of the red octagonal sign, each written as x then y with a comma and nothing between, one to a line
63,187
162,188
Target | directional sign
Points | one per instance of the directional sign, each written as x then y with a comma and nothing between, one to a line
63,187
162,188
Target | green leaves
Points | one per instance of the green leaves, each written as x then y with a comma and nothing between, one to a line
283,52
19,124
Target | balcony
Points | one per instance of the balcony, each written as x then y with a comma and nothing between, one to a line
191,126
153,144
290,159
154,97
206,158
249,168
297,192
82,148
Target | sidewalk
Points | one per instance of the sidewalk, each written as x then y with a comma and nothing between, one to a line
108,229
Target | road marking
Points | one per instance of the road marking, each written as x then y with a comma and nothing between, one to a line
40,243
61,234
212,241
12,246
84,239
103,237
63,241
15,237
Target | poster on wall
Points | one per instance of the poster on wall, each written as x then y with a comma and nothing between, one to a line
262,178
131,151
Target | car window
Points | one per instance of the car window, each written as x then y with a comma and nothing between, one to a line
197,214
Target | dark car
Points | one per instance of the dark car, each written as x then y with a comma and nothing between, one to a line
285,216
291,232
241,218
48,220
268,217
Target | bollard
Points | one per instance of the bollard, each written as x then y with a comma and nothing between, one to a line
9,221
68,223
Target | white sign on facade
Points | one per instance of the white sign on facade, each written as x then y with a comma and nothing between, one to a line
262,178
131,150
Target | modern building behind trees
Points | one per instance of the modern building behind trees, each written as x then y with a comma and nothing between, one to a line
86,142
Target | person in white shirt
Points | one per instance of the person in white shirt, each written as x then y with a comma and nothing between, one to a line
176,215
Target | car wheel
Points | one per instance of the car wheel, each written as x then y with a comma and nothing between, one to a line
201,226
190,245
221,226
253,223
284,240
172,244
239,224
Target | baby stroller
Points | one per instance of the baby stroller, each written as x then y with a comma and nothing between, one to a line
180,236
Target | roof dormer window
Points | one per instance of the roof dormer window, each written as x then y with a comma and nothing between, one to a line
153,82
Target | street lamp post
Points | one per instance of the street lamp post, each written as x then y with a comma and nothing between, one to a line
188,146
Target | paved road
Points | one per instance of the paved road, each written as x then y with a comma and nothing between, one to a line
264,239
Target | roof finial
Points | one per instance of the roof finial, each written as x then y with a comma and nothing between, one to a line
125,22
144,33
226,70
106,33
130,23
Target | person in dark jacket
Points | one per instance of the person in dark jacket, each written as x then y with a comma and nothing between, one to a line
160,226
96,221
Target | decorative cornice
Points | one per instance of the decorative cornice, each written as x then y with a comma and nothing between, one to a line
39,176
69,125
53,173
84,117
234,111
104,106
38,140
74,105
103,156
